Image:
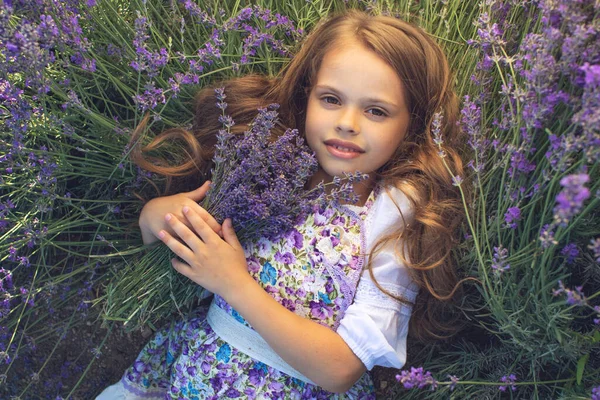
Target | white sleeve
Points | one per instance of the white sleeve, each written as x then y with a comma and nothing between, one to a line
375,325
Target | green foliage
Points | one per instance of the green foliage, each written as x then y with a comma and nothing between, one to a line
64,148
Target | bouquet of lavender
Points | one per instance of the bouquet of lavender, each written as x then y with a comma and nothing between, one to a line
259,181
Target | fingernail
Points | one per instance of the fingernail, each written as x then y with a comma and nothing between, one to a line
161,234
186,209
168,217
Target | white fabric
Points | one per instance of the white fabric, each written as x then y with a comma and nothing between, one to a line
248,341
375,325
118,392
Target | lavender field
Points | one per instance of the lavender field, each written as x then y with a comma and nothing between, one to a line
76,78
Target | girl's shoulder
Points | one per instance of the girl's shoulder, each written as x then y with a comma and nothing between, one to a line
390,211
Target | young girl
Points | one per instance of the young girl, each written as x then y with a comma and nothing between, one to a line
305,316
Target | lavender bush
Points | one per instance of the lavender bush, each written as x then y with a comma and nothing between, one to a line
77,76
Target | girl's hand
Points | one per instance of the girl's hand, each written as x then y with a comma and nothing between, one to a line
215,263
152,217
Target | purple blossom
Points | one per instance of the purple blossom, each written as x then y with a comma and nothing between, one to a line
151,97
595,247
596,393
254,177
499,264
512,215
147,61
416,378
570,200
470,122
509,381
454,379
574,297
571,252
547,236
457,180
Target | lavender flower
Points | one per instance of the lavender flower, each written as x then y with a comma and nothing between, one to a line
512,215
454,379
151,97
571,252
596,393
471,123
146,61
416,378
499,264
574,297
510,383
258,182
547,236
570,200
595,247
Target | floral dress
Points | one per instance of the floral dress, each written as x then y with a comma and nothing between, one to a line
313,271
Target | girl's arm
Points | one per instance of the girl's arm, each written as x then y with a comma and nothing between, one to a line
151,217
219,265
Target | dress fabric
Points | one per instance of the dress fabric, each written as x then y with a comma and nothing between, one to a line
314,271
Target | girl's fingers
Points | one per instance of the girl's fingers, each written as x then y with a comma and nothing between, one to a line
176,246
206,233
184,233
180,267
198,194
209,219
229,234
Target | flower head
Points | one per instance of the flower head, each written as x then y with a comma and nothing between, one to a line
416,378
595,247
510,383
512,215
569,201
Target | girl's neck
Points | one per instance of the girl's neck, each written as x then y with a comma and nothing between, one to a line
362,189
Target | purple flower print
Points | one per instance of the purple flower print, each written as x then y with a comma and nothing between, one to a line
253,264
289,304
287,258
233,393
320,310
296,238
205,367
320,219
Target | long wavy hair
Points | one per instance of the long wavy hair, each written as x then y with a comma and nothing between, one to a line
425,244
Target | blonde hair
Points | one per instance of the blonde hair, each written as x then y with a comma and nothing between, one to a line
416,168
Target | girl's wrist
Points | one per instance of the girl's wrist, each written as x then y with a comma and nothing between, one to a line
236,293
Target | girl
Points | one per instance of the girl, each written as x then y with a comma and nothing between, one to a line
305,316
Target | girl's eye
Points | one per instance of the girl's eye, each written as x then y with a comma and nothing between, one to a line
330,100
377,112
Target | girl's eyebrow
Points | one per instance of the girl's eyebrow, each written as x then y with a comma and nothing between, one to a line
368,99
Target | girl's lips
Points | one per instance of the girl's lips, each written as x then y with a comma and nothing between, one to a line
342,149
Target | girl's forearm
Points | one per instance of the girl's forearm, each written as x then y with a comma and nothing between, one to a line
314,350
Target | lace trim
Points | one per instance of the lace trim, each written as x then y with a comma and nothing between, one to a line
130,392
369,294
248,341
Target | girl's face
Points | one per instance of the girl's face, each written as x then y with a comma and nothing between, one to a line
357,114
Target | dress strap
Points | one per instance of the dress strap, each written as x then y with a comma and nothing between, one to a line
248,341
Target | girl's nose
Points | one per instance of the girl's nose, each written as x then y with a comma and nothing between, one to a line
348,122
